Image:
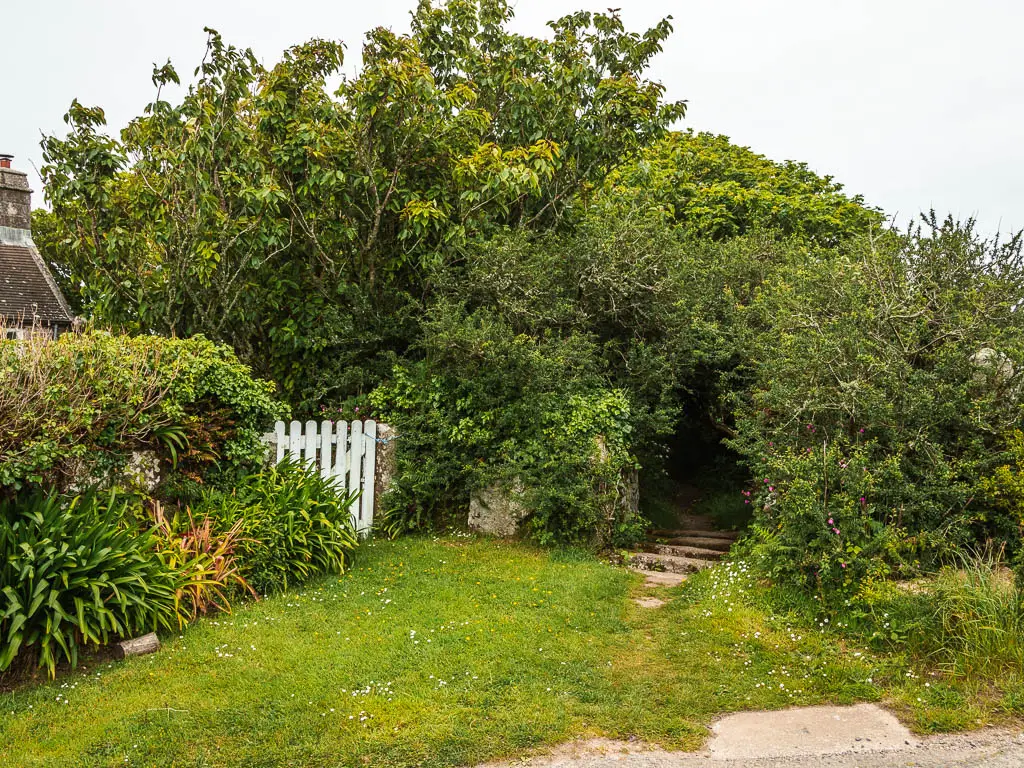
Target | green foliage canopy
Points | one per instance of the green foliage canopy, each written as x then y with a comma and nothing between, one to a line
320,219
712,188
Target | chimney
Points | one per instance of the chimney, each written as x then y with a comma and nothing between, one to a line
15,197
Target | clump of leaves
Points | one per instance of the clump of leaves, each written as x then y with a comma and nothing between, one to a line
286,524
72,575
205,557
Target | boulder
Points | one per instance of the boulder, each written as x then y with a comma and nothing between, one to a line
496,511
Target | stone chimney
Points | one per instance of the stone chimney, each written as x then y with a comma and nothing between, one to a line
15,197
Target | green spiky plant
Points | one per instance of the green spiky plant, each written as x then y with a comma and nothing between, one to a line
70,576
294,524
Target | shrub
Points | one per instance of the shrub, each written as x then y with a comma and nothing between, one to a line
817,521
74,410
71,575
880,382
292,524
206,556
490,407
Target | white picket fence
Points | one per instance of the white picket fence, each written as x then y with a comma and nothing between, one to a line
345,451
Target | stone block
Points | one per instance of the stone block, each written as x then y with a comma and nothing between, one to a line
496,511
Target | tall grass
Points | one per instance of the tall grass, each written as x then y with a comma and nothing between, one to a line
979,616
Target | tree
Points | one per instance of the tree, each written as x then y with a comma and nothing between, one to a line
306,229
712,188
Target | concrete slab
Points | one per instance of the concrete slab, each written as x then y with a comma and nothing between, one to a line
990,748
808,731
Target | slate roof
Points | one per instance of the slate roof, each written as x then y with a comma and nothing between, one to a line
27,289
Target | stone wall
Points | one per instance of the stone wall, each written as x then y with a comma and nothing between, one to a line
386,463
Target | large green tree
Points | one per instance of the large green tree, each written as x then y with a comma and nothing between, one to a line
305,227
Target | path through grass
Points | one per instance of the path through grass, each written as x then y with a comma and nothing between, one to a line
443,652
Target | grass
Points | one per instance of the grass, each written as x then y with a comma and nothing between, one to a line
451,651
980,618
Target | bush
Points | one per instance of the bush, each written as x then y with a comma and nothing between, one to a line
292,525
488,406
881,380
71,575
75,410
815,521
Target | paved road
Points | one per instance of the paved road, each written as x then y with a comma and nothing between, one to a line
860,736
984,750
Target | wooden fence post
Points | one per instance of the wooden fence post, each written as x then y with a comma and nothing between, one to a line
356,470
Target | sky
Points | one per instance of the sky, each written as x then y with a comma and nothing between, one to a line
913,104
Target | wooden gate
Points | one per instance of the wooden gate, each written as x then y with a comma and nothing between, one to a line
345,451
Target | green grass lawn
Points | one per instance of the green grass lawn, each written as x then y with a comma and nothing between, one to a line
451,651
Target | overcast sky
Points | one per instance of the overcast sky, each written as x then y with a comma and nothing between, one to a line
912,103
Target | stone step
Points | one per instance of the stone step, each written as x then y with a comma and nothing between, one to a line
697,553
681,533
702,542
652,561
690,520
660,578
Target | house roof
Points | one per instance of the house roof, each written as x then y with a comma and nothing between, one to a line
28,292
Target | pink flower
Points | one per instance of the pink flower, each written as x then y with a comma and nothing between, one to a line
843,565
831,521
